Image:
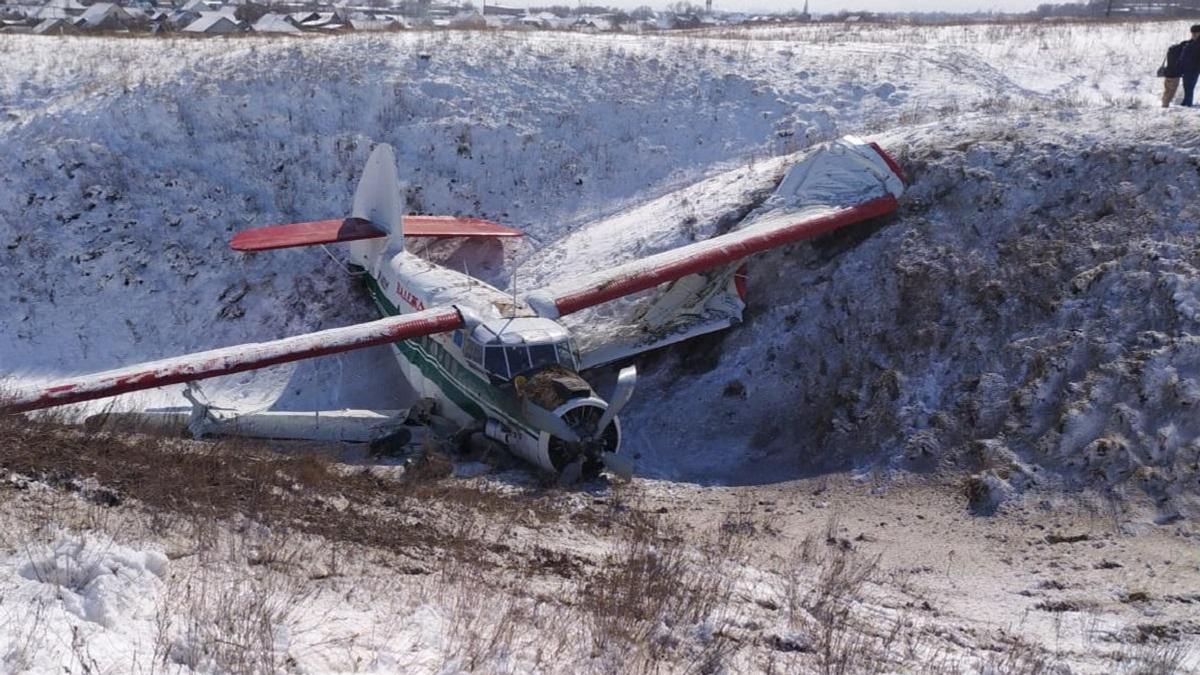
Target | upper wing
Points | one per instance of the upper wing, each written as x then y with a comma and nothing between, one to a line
236,359
845,183
352,229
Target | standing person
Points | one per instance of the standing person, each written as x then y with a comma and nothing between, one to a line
1189,65
1170,73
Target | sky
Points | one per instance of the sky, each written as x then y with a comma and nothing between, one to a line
818,6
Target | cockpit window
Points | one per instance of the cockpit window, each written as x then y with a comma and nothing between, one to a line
518,359
508,361
542,356
473,351
494,363
564,354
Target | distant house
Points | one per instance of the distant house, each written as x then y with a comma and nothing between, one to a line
180,18
592,24
375,24
545,20
213,23
17,12
105,16
60,9
501,10
196,6
276,23
162,22
319,20
15,26
55,27
301,17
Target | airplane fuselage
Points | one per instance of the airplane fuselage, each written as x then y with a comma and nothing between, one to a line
477,373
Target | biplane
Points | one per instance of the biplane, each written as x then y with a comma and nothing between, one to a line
503,363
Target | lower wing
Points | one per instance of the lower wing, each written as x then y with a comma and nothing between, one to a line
228,360
847,182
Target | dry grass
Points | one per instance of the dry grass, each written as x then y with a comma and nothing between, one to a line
521,581
237,478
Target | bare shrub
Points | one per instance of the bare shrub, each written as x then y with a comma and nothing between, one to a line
485,625
228,613
31,636
1021,658
639,585
651,584
826,600
1154,658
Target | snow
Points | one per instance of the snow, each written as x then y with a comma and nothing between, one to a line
1035,302
79,586
522,128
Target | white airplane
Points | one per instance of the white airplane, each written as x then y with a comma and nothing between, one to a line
500,362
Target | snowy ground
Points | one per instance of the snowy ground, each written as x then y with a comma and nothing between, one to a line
1026,324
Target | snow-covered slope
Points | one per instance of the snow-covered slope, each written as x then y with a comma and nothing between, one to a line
1033,304
125,165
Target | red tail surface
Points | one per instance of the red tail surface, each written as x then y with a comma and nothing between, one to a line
354,229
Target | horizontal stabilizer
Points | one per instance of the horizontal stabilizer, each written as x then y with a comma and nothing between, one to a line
306,234
230,360
353,229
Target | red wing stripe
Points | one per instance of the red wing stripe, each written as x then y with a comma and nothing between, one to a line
716,252
305,234
237,359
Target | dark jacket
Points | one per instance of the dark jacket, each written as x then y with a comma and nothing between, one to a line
1172,61
1189,57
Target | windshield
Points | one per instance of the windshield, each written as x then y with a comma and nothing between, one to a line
518,359
494,363
507,362
543,355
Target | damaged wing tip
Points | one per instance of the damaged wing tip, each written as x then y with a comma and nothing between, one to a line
892,165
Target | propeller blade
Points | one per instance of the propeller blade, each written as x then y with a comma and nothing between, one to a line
619,466
626,381
550,423
571,472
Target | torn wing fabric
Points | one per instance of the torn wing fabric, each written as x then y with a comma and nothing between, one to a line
846,182
228,360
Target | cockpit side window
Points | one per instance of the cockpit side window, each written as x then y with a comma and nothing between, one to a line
565,356
473,351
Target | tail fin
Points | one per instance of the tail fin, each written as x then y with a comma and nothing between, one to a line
378,197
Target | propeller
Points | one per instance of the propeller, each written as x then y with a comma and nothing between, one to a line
554,425
626,381
571,472
550,423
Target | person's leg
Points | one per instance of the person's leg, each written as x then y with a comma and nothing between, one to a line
1189,87
1170,86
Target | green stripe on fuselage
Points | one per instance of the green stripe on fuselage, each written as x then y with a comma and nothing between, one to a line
469,391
